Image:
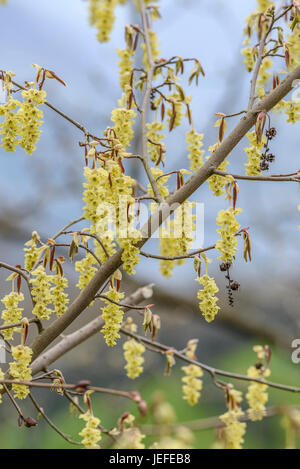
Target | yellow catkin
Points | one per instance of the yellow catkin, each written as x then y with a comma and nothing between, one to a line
257,395
59,297
133,352
194,141
86,269
91,434
217,183
157,148
102,16
234,430
112,314
192,384
41,293
208,300
254,154
125,66
30,118
229,226
12,312
20,369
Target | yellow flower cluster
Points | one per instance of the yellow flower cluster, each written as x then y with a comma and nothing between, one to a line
229,226
123,120
41,293
20,369
254,154
24,123
292,110
30,118
133,352
217,183
194,141
86,269
234,430
102,16
112,315
208,300
257,396
263,75
59,297
32,252
10,127
192,385
155,51
153,134
176,237
249,59
263,5
293,40
12,313
125,66
91,433
161,184
109,190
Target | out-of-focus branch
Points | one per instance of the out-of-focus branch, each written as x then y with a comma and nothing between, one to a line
70,341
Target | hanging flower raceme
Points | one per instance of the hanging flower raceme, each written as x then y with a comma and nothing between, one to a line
234,430
112,314
194,141
155,146
176,237
254,154
229,226
293,40
10,127
208,301
133,351
30,118
123,120
249,59
41,293
102,16
125,66
217,183
32,252
263,5
86,269
91,433
12,312
192,385
60,298
257,395
20,368
292,110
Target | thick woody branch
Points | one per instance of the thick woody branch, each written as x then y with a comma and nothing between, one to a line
157,218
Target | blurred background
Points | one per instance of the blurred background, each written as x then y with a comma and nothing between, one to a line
43,192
